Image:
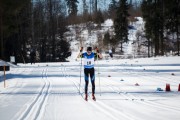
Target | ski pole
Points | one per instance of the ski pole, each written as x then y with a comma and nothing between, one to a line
98,71
80,68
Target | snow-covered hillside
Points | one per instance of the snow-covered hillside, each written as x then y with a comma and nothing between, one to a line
87,35
137,26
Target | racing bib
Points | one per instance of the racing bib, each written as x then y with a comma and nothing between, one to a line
89,62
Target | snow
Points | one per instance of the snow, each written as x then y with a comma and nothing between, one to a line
108,23
3,63
50,91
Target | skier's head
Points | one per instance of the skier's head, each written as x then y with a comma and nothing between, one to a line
89,50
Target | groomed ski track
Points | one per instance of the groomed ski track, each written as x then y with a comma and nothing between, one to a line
51,92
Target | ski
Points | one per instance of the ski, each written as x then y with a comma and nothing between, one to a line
93,97
86,97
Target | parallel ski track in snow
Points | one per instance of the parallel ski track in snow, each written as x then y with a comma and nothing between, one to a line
109,111
149,77
159,78
35,110
66,76
144,74
129,96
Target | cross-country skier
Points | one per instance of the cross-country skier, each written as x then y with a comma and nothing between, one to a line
110,53
89,58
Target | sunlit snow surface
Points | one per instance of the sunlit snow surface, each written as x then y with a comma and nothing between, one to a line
50,91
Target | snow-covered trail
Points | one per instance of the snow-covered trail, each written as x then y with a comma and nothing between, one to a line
51,92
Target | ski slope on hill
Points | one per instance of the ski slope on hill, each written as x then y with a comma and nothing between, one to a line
50,91
83,36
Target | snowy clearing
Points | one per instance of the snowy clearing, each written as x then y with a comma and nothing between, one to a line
50,91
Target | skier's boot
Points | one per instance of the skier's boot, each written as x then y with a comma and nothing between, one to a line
93,97
86,97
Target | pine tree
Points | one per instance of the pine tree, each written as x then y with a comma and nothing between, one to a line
11,26
72,7
63,51
172,23
99,18
85,8
112,9
153,14
121,22
95,8
106,40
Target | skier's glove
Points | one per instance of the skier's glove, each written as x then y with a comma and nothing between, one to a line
97,50
81,49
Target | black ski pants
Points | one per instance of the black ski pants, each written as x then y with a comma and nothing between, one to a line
87,72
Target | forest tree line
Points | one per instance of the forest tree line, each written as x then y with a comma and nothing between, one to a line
161,30
40,25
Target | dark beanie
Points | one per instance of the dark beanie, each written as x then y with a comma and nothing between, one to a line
89,48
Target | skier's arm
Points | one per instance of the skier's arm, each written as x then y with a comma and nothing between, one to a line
80,53
98,54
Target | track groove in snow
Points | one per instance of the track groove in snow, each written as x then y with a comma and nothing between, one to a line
129,96
34,109
109,111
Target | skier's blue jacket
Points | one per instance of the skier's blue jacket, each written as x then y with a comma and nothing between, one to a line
89,59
